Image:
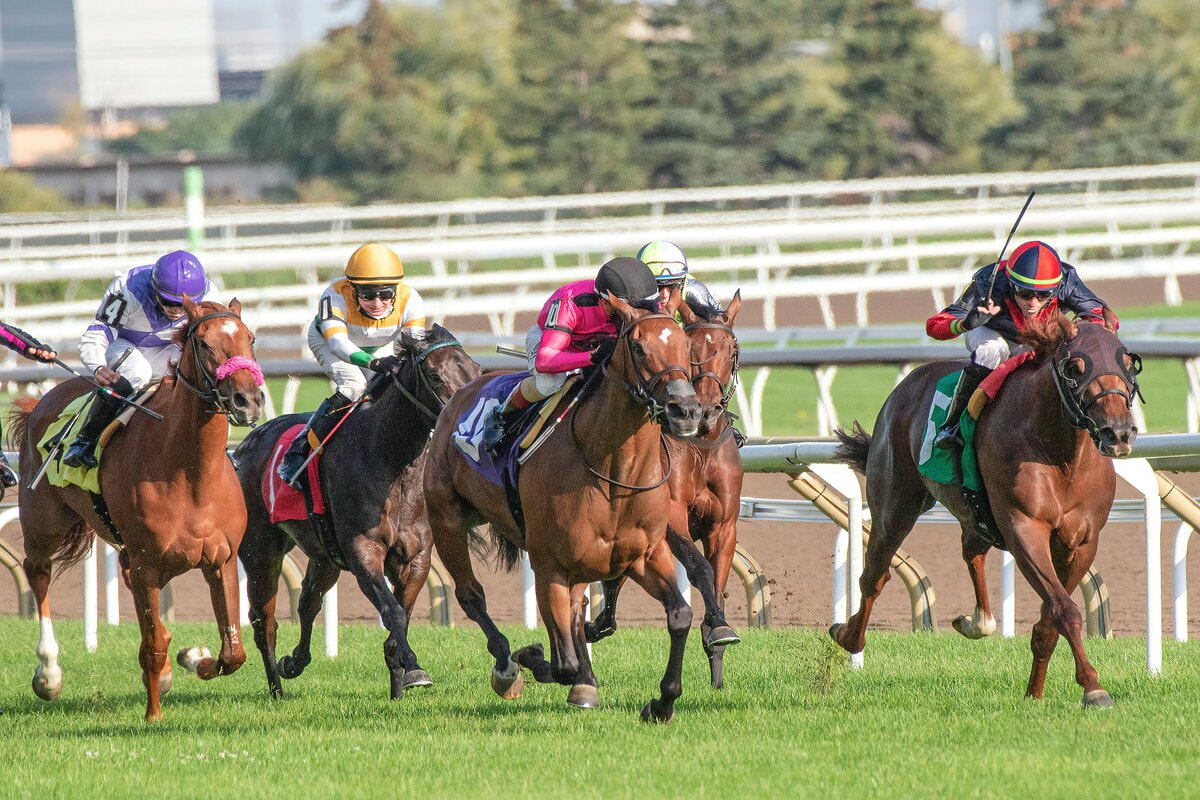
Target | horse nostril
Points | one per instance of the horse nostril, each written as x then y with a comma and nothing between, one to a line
240,400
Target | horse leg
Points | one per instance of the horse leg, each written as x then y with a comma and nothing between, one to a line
981,623
367,565
448,521
263,567
1054,577
155,638
720,545
557,603
223,590
47,676
700,574
585,679
408,583
605,624
656,574
319,578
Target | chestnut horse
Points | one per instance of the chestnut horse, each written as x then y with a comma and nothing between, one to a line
595,502
172,496
1043,448
374,505
706,486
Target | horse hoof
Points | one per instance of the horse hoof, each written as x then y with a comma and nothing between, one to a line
652,715
290,667
722,635
583,695
593,632
276,692
416,677
47,686
509,684
1097,699
972,630
191,657
165,680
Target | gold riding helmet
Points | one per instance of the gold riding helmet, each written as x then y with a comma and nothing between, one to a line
374,263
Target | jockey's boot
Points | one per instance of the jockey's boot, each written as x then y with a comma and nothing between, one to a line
8,476
949,437
320,424
495,425
105,408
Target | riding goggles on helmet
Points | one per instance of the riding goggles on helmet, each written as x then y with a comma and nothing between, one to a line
368,293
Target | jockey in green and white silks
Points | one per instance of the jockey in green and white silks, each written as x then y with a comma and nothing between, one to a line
669,266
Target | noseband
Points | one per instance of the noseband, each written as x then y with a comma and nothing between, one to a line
207,390
727,390
1071,390
643,390
421,381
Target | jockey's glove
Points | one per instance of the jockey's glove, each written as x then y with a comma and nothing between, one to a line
604,352
976,319
385,364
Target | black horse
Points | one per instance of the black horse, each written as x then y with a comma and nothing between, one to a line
374,522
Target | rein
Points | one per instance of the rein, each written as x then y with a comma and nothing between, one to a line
643,394
1070,390
207,391
422,381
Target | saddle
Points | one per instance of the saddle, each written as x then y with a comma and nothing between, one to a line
305,501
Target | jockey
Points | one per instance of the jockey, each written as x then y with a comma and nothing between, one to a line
360,315
16,339
1032,284
140,314
575,329
669,266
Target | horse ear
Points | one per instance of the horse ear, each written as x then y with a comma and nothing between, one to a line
235,306
623,309
684,311
674,303
735,305
190,307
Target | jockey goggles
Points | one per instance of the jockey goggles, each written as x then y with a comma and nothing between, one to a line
369,293
1031,294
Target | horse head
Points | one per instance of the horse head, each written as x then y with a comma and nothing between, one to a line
432,368
217,360
714,358
1096,378
650,357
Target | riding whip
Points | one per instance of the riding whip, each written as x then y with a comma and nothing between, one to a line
1000,257
106,389
316,451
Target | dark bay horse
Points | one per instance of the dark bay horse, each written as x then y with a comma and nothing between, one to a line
171,492
1044,446
595,501
375,507
706,486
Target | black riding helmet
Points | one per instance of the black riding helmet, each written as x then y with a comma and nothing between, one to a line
629,279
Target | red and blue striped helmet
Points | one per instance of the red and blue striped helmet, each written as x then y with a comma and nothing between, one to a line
176,274
1034,266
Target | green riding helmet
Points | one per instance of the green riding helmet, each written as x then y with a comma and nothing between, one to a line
665,260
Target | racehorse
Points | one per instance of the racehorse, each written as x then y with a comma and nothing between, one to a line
375,508
594,499
1043,449
173,501
706,486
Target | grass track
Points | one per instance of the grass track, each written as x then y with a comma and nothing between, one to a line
930,716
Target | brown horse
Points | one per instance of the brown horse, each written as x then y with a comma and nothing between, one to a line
172,496
1043,446
706,486
595,502
375,509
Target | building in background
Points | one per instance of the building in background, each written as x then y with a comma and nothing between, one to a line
987,24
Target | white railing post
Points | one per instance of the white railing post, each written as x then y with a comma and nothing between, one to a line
243,596
90,599
1137,472
112,586
1008,595
843,479
329,608
528,592
1179,592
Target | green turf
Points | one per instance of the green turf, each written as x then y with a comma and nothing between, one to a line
929,716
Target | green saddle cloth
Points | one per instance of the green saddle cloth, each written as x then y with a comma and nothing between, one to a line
936,464
58,473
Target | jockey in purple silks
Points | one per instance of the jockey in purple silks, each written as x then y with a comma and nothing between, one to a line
16,339
140,314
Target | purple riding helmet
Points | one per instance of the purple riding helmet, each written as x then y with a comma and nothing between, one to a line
176,274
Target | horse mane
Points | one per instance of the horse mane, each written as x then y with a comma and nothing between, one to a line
1045,336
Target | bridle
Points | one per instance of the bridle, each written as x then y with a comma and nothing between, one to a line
1070,390
207,390
643,393
727,389
421,381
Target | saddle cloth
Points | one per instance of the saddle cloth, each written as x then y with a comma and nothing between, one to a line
58,473
285,502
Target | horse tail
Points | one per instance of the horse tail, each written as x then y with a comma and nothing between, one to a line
74,547
18,421
506,554
855,444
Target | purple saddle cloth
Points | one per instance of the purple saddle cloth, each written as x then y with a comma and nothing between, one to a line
468,432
